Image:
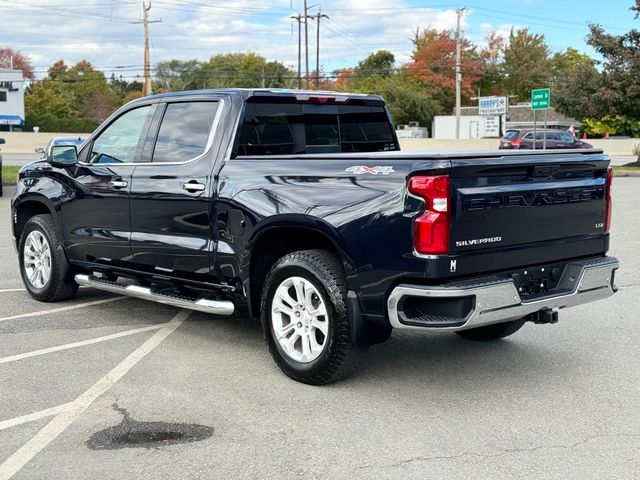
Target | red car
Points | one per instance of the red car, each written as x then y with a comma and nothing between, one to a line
516,139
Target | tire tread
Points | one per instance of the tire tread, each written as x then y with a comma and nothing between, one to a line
330,273
60,288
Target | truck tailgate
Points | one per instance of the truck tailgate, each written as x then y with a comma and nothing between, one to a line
514,201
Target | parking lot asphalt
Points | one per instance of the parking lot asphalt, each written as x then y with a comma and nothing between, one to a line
117,388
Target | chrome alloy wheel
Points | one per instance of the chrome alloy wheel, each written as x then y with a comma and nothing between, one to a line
37,259
299,319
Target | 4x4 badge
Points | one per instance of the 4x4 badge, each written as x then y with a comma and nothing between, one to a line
361,169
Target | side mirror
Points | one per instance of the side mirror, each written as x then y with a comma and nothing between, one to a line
2,141
63,155
39,150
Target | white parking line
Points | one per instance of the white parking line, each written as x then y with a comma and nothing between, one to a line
81,343
32,417
6,290
62,309
60,422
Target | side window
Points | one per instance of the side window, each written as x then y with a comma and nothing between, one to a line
528,136
184,131
119,141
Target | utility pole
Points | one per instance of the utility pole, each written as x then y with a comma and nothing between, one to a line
298,18
318,16
306,43
459,12
146,86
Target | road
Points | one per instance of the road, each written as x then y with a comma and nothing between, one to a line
23,159
89,386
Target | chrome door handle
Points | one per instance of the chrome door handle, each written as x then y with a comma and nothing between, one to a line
193,187
118,184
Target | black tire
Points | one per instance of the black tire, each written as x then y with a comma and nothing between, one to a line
490,333
60,284
324,271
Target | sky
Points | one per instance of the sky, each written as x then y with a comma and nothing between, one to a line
105,33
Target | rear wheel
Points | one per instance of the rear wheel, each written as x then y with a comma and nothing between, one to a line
42,262
492,332
305,317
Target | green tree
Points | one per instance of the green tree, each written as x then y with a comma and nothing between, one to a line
247,70
620,89
124,89
178,75
491,80
46,109
244,70
526,63
70,99
575,82
407,99
378,64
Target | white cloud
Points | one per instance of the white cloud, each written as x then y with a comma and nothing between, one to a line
99,30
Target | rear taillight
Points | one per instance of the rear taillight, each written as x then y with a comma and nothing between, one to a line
431,229
516,142
607,200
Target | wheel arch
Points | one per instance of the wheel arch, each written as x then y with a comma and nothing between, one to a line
28,207
285,235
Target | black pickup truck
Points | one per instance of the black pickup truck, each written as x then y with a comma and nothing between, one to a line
300,205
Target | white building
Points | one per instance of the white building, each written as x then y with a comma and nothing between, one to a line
471,126
412,130
11,100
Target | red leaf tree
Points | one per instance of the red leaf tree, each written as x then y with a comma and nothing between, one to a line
9,57
434,66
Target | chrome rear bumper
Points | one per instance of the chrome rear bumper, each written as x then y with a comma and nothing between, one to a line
495,300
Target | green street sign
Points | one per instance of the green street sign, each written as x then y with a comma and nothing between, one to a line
540,99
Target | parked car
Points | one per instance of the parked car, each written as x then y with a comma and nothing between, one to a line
2,142
300,206
60,141
556,139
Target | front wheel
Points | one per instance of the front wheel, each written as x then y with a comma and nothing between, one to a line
42,262
490,333
305,317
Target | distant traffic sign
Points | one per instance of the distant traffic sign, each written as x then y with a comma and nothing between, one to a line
540,99
492,105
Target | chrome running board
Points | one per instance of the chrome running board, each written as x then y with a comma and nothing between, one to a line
216,307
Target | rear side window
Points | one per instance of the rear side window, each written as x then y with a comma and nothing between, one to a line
567,137
296,128
184,131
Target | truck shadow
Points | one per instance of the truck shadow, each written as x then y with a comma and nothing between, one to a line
429,359
446,360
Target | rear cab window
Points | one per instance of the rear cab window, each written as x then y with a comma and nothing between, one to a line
283,125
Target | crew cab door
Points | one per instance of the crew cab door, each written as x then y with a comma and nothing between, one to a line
96,220
171,191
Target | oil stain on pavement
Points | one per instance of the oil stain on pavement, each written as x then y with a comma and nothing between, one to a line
130,433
